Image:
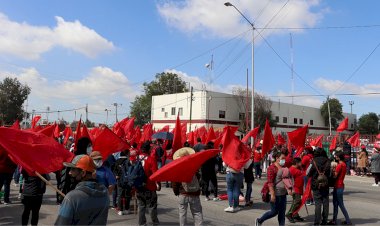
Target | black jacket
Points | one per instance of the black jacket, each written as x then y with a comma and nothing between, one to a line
248,174
324,165
33,185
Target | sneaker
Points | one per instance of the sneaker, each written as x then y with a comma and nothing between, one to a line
257,223
298,218
216,199
331,223
375,185
236,209
126,212
7,203
346,223
120,213
308,203
229,209
207,199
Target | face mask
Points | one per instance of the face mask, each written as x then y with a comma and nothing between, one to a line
98,163
282,162
89,150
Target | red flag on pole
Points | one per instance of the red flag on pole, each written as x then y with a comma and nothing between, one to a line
128,128
16,125
48,130
147,133
107,142
56,131
85,133
35,120
306,195
253,133
268,141
343,125
35,152
177,139
333,143
298,138
354,140
67,133
210,135
78,132
234,153
183,132
280,140
317,142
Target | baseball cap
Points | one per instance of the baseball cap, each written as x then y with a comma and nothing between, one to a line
83,162
96,155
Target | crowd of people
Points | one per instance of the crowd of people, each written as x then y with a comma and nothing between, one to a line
90,183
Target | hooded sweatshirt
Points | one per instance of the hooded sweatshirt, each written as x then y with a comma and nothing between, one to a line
324,166
87,204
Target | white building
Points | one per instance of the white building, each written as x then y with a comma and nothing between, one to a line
220,109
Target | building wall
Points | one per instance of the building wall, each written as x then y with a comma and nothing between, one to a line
208,108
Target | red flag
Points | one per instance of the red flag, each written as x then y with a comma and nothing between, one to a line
128,128
306,195
354,140
16,125
78,133
317,142
234,153
56,131
107,142
343,125
183,132
268,141
48,130
298,138
34,151
137,136
253,133
177,139
280,140
67,133
333,143
210,135
85,133
164,129
184,168
35,120
191,138
147,133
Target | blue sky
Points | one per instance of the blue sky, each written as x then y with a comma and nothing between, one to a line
74,53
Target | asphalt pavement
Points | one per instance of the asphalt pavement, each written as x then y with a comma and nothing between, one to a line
361,199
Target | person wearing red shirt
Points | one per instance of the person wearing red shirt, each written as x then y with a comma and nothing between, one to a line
297,174
340,174
148,197
257,162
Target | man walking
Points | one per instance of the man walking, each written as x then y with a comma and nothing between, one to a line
88,203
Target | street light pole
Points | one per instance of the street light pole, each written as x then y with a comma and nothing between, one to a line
107,115
253,65
351,102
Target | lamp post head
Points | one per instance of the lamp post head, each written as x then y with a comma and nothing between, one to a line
228,4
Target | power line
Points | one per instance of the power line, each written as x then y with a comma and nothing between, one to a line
321,28
57,111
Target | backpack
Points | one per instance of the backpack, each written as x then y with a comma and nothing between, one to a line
288,182
123,180
322,180
136,177
193,186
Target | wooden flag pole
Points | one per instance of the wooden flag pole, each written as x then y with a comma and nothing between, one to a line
49,183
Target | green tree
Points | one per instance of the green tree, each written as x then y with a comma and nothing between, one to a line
164,83
336,110
12,96
369,123
263,107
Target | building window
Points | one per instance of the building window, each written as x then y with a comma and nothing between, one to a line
352,126
311,122
162,109
173,111
284,120
222,114
301,121
180,111
277,118
295,121
166,114
241,116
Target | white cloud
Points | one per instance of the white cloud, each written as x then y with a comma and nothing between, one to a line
212,18
99,89
29,42
331,86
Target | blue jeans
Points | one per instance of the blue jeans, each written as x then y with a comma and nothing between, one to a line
258,170
278,209
248,193
338,202
234,183
6,179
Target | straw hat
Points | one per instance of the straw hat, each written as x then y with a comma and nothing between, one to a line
183,152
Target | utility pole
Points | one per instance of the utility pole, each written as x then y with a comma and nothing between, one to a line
246,107
191,107
328,108
58,115
47,114
116,105
86,112
351,102
107,115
